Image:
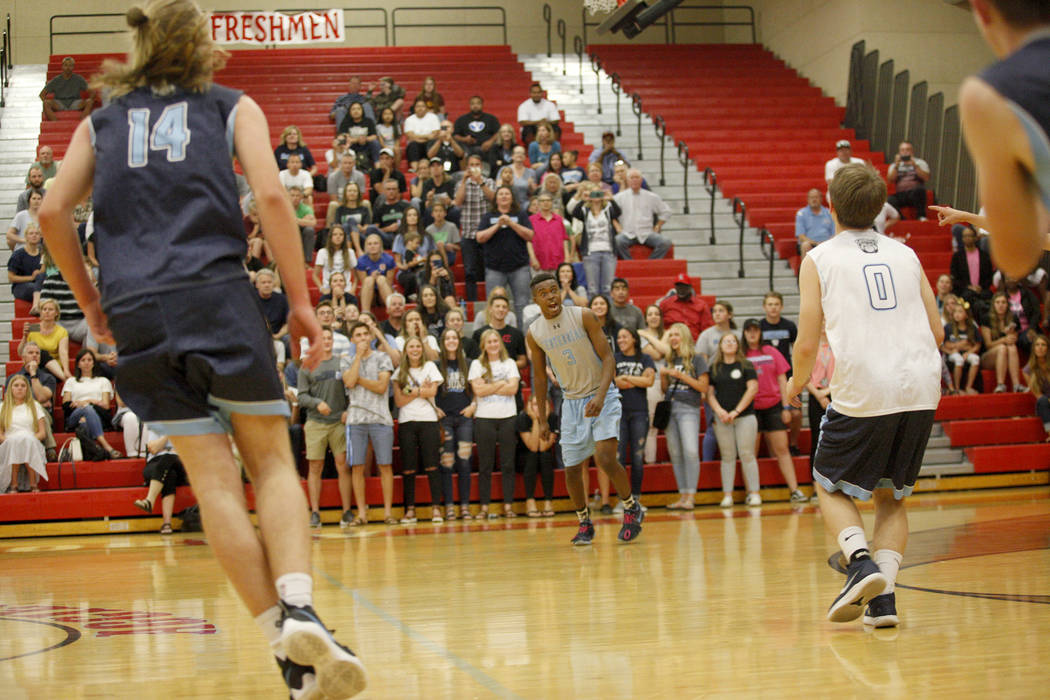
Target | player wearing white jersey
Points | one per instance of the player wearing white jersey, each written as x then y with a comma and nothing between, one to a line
582,360
884,330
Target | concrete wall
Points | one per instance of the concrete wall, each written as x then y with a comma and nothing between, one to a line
936,42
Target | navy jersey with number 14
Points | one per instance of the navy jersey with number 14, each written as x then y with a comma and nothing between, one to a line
165,198
886,358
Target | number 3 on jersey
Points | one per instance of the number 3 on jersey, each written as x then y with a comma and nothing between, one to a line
881,292
170,134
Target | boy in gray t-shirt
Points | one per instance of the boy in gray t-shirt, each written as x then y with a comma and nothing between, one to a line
368,418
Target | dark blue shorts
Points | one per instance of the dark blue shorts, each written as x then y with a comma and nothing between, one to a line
189,358
858,455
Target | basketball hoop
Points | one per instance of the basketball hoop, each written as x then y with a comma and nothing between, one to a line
596,6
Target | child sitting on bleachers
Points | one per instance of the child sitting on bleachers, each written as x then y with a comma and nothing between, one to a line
962,345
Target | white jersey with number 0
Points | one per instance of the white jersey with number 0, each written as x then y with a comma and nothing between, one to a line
886,358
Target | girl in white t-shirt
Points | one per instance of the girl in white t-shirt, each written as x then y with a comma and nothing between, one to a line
86,398
336,256
415,386
22,431
494,377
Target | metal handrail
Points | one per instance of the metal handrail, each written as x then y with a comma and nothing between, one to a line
561,33
596,66
3,71
765,237
661,132
683,158
617,89
8,43
502,24
711,185
547,19
740,218
636,107
577,46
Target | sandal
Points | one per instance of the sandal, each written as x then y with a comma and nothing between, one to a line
144,505
464,512
115,454
450,513
508,511
409,517
358,521
435,515
532,514
390,521
165,529
484,514
548,513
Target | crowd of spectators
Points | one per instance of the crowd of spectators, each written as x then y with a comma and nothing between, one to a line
506,201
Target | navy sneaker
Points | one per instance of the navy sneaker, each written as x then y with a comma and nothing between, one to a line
309,643
301,680
585,535
864,581
632,523
882,611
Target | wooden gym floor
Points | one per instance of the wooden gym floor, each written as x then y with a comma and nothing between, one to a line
711,603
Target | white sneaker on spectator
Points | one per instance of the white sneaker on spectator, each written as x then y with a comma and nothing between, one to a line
727,501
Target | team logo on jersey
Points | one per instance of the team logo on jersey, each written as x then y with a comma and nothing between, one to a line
868,245
736,374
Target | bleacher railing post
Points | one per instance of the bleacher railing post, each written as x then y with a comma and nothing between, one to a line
615,86
561,33
661,132
767,237
636,105
547,19
740,217
9,44
683,158
710,179
577,45
596,66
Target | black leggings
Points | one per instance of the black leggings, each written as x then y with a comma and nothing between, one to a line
168,470
544,461
491,432
420,442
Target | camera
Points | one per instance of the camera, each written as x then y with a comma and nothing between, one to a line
906,158
437,264
596,194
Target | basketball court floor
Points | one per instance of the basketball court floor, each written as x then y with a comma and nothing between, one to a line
712,603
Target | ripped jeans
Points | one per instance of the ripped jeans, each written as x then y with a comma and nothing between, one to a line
633,430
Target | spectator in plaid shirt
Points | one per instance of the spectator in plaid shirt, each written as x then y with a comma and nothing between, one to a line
473,196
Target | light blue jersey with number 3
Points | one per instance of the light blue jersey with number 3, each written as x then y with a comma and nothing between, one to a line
886,358
570,351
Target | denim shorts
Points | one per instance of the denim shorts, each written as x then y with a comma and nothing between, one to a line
382,437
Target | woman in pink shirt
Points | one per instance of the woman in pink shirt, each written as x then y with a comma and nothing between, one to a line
549,246
819,388
772,407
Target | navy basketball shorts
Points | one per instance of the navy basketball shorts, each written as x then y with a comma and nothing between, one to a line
858,455
189,358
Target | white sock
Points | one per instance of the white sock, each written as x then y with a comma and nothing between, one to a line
296,589
269,622
851,541
889,564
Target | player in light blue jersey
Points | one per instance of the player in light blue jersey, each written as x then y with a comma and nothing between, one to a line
582,360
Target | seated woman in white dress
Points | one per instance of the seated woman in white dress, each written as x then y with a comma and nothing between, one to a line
23,427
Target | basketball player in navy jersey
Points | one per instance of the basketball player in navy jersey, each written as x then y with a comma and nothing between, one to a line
1005,114
196,359
884,329
582,360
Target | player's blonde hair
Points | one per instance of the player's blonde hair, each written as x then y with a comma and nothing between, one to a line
171,48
